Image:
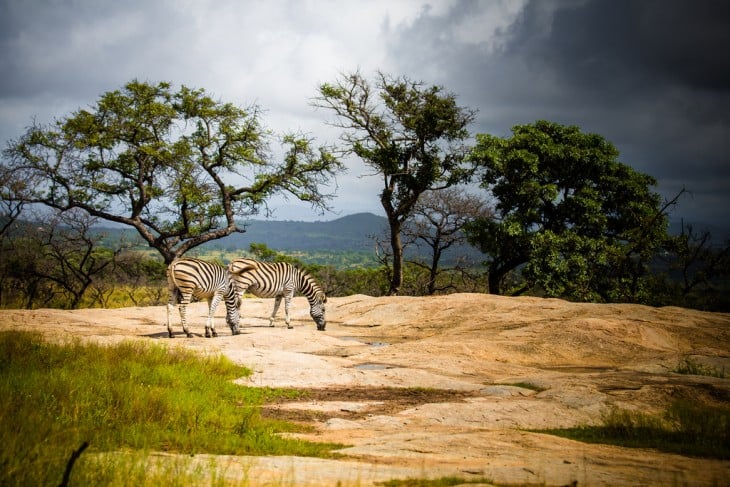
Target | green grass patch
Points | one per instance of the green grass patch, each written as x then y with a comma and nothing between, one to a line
134,396
686,428
689,366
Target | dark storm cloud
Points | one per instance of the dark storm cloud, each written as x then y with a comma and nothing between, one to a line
658,68
665,41
653,77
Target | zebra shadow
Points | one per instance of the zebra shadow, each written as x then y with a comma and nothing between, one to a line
162,334
181,334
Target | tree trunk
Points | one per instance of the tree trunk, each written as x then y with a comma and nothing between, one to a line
397,248
434,271
493,280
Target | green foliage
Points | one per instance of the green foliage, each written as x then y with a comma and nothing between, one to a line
686,427
133,395
161,162
262,252
372,281
575,221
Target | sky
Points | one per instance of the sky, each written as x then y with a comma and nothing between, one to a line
650,76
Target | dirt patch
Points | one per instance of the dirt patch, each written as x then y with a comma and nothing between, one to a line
321,405
449,385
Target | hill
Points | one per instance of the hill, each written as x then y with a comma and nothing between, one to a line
349,233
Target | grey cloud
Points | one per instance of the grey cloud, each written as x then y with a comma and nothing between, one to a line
79,48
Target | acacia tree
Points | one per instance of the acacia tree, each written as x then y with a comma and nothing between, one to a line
576,221
439,220
177,166
410,134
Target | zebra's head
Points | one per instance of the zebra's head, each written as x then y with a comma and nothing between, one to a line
316,311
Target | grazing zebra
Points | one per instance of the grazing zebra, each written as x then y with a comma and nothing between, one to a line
189,278
279,280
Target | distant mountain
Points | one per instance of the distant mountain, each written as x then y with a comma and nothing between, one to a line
350,232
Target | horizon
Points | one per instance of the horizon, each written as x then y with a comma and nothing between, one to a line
674,223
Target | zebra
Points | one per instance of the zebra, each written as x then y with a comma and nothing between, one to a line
188,278
279,280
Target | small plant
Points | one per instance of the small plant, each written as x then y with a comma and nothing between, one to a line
690,366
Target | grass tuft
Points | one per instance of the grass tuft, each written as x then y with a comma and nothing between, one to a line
689,366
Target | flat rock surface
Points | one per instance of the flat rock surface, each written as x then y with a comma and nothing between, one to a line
428,387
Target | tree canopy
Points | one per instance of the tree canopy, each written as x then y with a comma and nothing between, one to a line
410,134
577,222
178,166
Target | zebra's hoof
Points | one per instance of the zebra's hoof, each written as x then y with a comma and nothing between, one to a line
190,335
215,334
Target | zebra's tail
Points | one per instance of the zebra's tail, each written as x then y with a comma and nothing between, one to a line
172,287
171,281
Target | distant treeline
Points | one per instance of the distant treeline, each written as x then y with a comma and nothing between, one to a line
72,266
344,242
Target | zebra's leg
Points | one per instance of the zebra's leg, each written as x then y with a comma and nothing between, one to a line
210,324
169,321
277,302
287,305
183,307
174,299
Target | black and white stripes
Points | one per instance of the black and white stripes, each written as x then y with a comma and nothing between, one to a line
279,280
194,278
